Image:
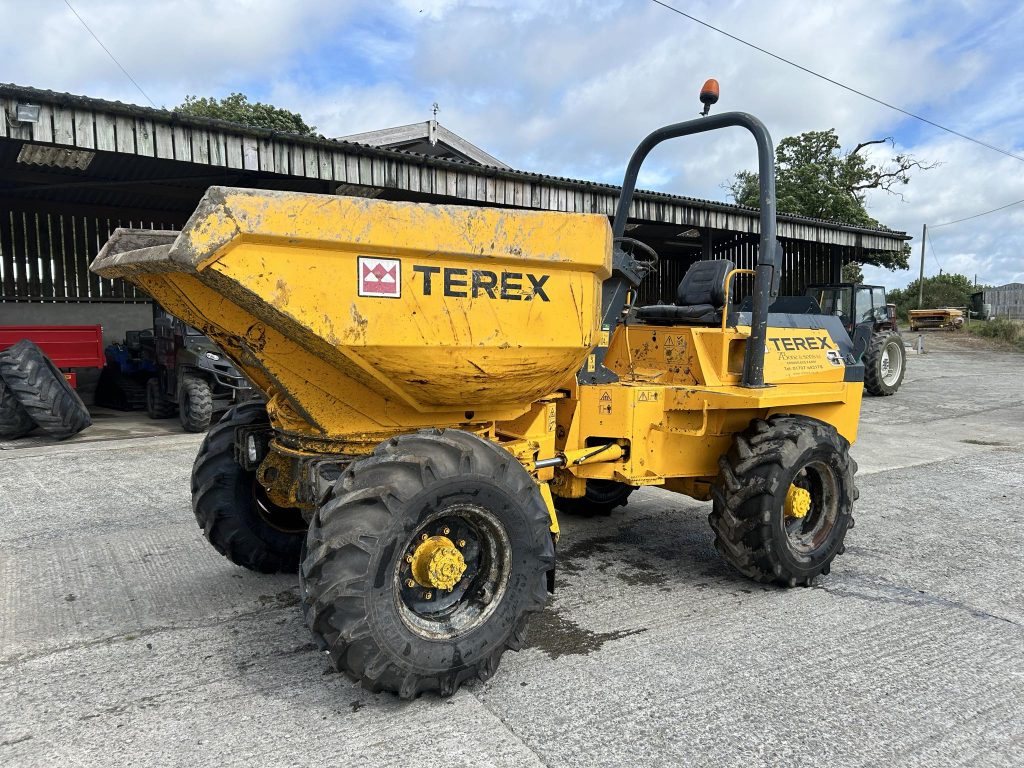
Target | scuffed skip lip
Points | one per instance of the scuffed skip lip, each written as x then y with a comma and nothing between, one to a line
127,247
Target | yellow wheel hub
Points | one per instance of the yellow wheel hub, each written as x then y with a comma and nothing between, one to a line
438,563
798,502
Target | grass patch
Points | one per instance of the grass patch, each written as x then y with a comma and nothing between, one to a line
1001,329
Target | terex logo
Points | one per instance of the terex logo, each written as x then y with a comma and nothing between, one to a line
791,344
466,283
380,277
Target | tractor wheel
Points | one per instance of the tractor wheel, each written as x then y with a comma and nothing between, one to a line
601,498
157,406
884,363
42,390
14,419
232,507
195,404
424,562
783,500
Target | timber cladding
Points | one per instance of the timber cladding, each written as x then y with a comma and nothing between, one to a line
45,256
89,165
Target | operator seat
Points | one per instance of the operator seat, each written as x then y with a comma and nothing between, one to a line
700,297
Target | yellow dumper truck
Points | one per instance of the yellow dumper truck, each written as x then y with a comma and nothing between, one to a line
441,380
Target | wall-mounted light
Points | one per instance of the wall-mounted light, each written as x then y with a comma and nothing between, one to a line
22,114
27,113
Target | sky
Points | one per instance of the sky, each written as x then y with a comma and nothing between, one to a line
569,87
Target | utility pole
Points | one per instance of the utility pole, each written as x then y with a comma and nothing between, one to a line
920,280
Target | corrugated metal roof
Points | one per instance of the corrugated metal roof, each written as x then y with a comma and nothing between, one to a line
176,118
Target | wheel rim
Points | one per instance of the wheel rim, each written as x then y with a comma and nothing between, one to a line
283,519
483,548
891,363
808,528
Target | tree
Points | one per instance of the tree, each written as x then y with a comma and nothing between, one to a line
939,291
813,177
237,108
852,273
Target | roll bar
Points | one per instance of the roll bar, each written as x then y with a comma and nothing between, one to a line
767,271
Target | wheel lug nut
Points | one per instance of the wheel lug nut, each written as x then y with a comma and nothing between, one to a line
408,558
410,583
446,530
462,542
427,595
424,537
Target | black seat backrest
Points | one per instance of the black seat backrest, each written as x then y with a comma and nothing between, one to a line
704,283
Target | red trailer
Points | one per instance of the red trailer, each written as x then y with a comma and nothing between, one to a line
69,346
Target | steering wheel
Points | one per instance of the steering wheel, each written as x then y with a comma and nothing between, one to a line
645,265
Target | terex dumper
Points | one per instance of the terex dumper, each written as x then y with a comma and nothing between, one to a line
438,376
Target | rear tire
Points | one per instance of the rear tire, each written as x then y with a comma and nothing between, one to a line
756,530
157,406
885,362
195,404
601,498
41,389
231,506
379,624
14,419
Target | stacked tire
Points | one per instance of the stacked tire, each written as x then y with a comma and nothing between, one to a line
34,393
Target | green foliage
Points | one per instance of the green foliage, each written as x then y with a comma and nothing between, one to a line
1000,328
813,177
939,291
852,273
237,108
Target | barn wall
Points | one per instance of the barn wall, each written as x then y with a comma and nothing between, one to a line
115,318
45,256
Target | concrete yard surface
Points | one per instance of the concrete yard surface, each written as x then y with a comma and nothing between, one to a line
125,639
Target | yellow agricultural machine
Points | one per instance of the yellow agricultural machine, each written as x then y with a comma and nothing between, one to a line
943,317
439,380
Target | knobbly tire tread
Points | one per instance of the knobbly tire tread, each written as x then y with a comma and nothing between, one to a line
14,419
598,501
195,407
221,489
43,392
365,513
873,382
752,483
157,406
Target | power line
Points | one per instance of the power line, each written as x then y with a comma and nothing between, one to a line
68,4
936,258
841,85
983,213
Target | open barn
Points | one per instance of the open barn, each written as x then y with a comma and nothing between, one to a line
74,168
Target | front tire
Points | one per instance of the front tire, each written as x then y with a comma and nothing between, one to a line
885,362
371,606
783,500
195,404
232,508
